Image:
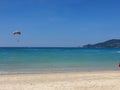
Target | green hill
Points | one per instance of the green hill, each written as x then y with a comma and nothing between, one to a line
113,43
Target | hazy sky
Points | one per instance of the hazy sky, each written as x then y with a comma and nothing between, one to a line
58,22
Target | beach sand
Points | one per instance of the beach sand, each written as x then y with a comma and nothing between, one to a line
62,81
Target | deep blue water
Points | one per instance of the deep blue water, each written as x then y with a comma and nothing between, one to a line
50,60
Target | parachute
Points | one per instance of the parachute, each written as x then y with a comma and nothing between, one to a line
16,33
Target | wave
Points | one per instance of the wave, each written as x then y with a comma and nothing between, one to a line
118,51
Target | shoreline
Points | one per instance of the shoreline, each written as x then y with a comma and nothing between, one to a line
58,72
104,80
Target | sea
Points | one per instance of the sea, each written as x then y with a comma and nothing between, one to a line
57,59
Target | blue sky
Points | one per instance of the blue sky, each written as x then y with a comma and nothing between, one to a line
58,23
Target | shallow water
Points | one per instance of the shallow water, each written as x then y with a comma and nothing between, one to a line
51,60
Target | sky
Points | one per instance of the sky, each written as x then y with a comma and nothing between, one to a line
58,23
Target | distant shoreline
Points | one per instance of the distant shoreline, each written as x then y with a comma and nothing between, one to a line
62,47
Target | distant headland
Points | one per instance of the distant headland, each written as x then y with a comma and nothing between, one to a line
113,43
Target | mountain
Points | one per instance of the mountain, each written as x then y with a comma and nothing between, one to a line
113,43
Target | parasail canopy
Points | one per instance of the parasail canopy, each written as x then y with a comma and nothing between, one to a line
17,33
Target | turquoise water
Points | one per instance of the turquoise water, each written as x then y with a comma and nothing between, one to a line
50,60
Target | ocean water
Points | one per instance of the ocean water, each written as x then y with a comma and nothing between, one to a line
53,60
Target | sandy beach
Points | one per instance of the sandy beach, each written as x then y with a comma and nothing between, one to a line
62,81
